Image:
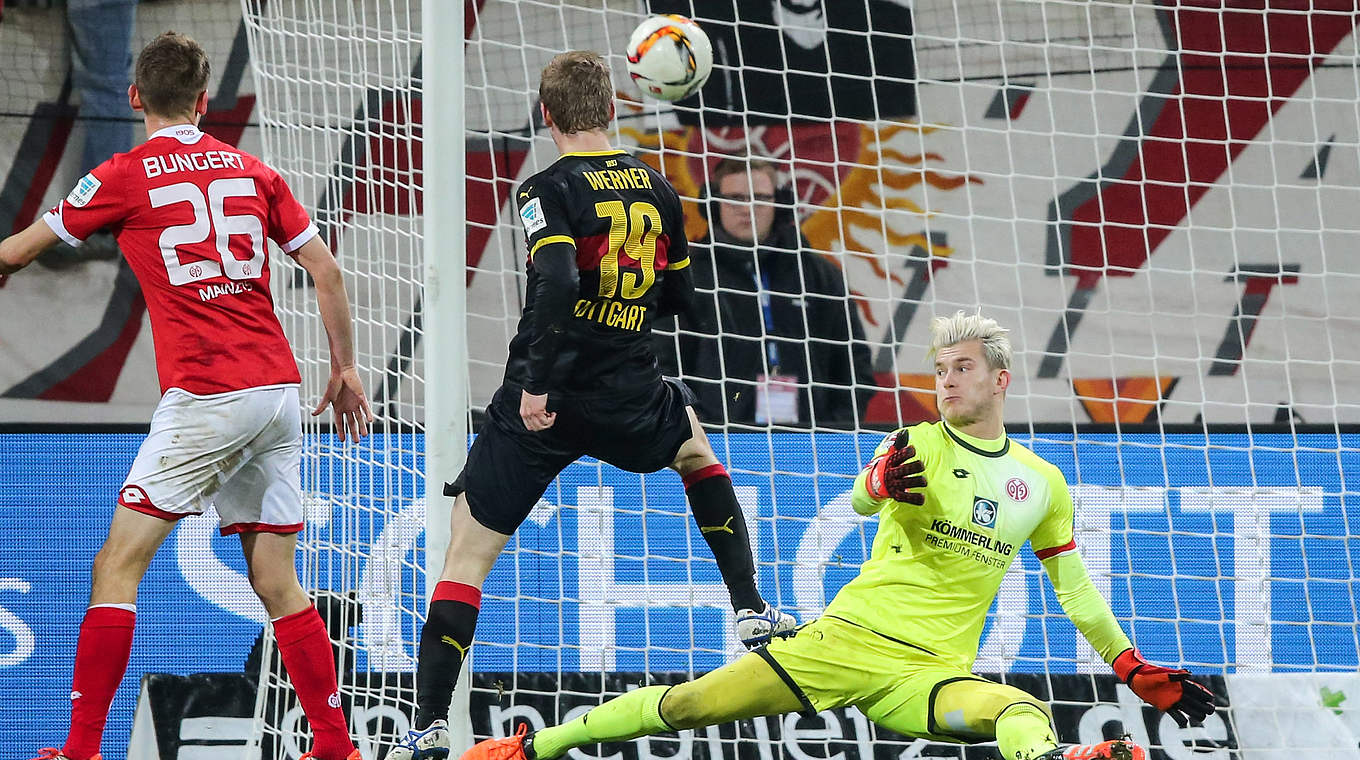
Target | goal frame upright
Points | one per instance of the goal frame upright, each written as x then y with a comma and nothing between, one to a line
444,306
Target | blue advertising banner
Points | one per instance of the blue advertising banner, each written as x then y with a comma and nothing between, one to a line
1229,553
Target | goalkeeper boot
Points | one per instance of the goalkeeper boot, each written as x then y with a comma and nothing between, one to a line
1115,749
430,744
757,628
517,747
52,753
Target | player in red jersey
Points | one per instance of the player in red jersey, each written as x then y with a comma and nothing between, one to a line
191,215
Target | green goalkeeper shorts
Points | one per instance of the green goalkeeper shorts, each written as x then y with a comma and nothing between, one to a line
832,663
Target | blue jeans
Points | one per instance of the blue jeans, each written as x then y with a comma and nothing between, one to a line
101,58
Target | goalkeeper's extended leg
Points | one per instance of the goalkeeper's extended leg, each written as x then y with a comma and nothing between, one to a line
747,688
713,502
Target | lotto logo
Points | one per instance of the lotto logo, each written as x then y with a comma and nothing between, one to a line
334,700
133,495
1017,489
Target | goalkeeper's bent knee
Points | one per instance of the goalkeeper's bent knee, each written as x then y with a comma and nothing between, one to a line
1024,730
684,707
973,708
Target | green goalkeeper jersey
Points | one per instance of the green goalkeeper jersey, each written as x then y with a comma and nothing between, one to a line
935,569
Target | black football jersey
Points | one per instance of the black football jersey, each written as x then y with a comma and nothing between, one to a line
627,227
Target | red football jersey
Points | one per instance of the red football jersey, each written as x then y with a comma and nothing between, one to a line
191,213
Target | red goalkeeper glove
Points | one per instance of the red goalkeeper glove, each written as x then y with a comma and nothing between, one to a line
897,472
1171,691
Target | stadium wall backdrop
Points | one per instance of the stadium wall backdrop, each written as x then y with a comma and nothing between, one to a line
1006,190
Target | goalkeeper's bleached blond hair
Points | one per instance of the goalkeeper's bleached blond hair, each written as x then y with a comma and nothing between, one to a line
948,331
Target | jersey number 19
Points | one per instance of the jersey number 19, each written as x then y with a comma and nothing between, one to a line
633,231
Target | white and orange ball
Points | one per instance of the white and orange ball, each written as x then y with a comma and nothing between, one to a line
669,57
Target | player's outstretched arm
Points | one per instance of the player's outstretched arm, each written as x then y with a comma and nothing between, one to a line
1171,691
895,473
345,390
20,249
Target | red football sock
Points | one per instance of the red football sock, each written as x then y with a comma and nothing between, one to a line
306,651
102,653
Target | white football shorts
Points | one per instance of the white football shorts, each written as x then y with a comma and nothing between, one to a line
239,451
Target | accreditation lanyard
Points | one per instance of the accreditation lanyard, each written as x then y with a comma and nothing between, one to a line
762,281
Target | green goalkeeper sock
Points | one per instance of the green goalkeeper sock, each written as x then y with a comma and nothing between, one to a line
637,713
1023,731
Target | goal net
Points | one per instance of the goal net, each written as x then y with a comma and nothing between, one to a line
1156,198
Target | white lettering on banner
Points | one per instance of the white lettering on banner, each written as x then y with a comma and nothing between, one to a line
1093,505
1128,712
208,575
1177,743
763,739
370,727
794,735
380,584
1193,742
1005,635
802,738
834,522
601,594
1251,509
294,736
380,580
15,626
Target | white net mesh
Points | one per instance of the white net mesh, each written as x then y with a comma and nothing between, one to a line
339,94
1155,200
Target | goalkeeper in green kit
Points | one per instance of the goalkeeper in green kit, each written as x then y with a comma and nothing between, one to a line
956,501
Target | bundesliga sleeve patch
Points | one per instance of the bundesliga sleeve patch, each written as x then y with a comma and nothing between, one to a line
532,216
84,190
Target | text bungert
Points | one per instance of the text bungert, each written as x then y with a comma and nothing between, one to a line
155,166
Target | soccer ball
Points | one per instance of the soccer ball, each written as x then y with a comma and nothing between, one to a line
669,57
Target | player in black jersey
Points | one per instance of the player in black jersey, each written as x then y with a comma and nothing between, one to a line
607,257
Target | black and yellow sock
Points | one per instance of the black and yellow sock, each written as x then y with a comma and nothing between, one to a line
445,641
715,508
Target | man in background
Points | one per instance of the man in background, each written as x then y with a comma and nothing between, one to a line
772,337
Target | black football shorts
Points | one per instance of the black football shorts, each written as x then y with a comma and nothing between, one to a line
509,468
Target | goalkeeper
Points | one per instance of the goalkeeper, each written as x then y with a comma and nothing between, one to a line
957,499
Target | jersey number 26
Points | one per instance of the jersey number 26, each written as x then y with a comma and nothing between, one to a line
210,217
